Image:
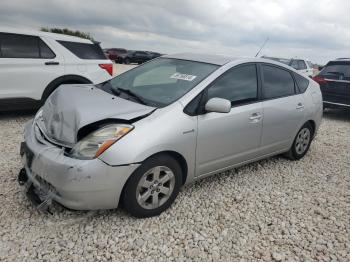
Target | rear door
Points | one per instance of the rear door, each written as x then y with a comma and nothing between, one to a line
27,66
283,108
336,87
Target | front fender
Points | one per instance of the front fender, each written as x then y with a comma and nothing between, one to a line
164,130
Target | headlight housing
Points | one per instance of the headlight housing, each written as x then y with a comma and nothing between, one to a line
99,141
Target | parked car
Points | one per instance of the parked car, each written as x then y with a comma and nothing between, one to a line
137,57
116,54
305,67
162,125
334,80
153,55
33,64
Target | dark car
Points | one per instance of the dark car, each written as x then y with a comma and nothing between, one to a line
153,54
116,54
138,57
334,80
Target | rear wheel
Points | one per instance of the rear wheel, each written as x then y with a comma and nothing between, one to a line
153,187
127,61
301,143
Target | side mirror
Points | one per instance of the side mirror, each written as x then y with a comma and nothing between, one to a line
218,105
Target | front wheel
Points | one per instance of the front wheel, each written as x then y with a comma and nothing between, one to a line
301,143
153,187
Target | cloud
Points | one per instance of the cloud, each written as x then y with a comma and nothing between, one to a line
318,30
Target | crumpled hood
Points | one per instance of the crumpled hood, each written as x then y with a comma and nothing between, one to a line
72,107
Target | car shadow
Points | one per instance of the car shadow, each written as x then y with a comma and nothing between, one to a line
337,114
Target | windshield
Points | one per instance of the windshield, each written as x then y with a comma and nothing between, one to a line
162,81
338,71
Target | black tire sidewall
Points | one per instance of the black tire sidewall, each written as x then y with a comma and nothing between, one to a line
293,150
129,193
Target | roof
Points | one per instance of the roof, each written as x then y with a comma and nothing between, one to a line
43,34
204,58
222,59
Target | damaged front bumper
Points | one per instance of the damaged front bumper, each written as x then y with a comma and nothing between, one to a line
76,184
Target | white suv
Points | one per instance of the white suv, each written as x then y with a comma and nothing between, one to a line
33,64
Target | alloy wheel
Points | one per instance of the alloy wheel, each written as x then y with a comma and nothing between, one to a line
155,187
302,140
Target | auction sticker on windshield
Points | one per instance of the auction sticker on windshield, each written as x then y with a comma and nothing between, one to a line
183,77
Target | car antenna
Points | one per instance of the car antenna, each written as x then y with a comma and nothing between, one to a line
266,40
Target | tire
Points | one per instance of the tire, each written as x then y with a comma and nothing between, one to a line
127,61
301,143
157,197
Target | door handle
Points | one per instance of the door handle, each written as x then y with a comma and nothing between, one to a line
255,117
300,106
52,63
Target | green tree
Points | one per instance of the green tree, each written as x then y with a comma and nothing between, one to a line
67,31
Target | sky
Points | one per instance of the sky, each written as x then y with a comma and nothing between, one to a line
318,30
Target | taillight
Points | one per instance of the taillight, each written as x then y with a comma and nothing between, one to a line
319,79
108,68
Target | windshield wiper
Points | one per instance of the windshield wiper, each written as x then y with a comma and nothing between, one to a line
130,93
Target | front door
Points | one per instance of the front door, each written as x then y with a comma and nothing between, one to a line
226,139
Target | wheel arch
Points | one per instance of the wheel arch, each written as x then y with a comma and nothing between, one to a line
179,158
313,125
66,79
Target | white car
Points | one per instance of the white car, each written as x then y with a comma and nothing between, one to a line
33,64
304,67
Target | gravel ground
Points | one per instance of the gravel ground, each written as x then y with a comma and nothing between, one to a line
271,210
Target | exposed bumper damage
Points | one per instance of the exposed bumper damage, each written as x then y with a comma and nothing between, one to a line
49,174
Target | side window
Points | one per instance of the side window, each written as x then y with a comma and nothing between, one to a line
239,85
302,82
302,65
19,46
277,82
45,51
84,50
295,64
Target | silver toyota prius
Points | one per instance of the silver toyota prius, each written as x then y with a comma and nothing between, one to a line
137,138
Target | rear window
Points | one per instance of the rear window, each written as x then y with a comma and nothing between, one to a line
23,46
84,50
337,71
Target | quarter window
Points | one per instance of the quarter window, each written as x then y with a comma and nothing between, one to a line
302,82
84,50
277,82
239,85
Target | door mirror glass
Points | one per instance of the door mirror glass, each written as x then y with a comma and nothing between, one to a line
218,105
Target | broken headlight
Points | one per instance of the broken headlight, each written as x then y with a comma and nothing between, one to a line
99,141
